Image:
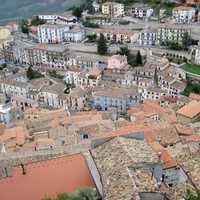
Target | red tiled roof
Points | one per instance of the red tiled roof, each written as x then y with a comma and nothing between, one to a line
184,8
63,174
194,96
190,110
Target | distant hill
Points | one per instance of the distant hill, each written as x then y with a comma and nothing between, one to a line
22,8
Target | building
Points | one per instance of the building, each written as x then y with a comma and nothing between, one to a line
171,33
197,55
117,35
98,19
117,62
52,96
113,97
147,37
141,12
72,76
51,33
184,14
77,99
112,9
43,56
123,167
28,181
75,34
189,113
59,19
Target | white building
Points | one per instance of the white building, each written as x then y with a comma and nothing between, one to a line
72,76
59,19
142,12
184,14
147,37
76,34
197,55
52,33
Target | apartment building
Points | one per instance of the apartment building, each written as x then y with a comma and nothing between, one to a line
75,34
171,33
51,33
147,37
113,9
184,14
117,35
114,97
197,55
141,11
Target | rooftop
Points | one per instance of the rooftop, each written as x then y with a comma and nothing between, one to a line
114,158
190,110
62,174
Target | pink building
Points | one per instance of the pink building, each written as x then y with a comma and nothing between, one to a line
117,62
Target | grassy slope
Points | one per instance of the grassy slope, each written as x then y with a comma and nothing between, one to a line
192,68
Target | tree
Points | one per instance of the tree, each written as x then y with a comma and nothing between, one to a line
24,26
124,51
186,41
139,58
63,196
90,7
30,73
102,47
77,11
156,76
193,196
37,21
84,194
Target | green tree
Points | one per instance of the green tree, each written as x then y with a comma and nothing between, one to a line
139,58
156,76
24,26
186,41
124,51
102,47
77,11
30,73
193,196
84,194
37,21
63,196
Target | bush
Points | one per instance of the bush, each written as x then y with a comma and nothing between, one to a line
123,22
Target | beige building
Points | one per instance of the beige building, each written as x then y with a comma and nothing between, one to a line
5,36
189,113
113,9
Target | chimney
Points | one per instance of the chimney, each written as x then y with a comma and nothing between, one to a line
23,169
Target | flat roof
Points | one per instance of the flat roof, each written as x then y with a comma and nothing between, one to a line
62,174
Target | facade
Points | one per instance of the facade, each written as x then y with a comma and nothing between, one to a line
117,62
75,34
113,9
119,98
52,96
197,55
43,56
59,19
98,19
184,14
147,37
117,35
51,33
141,12
171,33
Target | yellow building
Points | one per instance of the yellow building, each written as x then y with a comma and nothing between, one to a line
5,36
113,9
